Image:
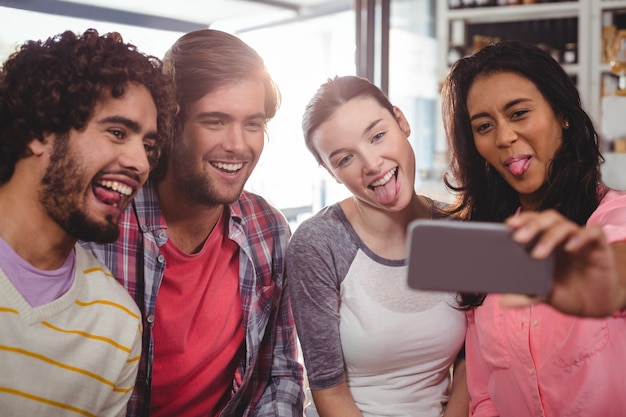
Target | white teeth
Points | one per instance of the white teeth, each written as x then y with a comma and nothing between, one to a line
228,167
117,186
384,180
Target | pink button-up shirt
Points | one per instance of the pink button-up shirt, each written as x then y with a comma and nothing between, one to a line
538,362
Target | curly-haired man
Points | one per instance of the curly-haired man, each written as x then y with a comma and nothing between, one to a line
82,118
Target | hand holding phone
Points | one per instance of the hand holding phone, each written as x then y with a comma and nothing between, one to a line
473,257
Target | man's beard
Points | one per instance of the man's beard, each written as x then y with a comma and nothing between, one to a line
196,187
61,189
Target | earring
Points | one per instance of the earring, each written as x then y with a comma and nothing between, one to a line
566,124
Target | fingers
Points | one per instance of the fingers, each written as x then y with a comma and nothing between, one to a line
549,228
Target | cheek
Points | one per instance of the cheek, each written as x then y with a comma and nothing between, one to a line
258,143
483,148
550,147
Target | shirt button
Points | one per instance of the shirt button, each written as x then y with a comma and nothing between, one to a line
150,319
535,323
143,228
161,259
162,234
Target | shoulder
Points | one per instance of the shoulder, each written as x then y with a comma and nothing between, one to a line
612,208
611,215
101,284
253,207
328,221
438,209
256,221
325,233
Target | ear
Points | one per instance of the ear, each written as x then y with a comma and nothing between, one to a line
331,173
38,147
402,122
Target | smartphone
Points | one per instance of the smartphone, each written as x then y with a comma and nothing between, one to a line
474,257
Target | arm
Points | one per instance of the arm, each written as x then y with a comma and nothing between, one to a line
317,257
590,272
458,404
284,394
335,402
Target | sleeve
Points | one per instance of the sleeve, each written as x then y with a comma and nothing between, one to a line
477,373
314,285
284,395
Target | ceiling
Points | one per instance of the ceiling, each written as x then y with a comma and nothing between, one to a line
185,15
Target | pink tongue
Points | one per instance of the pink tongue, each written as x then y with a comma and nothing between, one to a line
386,193
518,167
107,196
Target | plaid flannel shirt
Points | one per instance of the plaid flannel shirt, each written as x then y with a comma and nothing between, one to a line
269,379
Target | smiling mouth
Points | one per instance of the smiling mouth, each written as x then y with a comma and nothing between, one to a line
232,168
384,180
112,193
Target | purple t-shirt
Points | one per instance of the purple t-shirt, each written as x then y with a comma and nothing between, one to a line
37,286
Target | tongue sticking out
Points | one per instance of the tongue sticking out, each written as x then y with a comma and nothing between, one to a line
107,196
386,193
519,167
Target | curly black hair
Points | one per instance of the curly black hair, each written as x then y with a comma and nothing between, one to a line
52,86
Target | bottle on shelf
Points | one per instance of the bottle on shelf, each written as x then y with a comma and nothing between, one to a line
609,32
457,48
618,61
569,53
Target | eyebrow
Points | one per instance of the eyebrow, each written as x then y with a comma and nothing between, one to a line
130,124
371,126
506,107
222,115
367,129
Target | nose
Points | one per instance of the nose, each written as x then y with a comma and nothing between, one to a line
506,135
372,163
134,157
235,140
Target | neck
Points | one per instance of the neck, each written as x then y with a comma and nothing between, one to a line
28,229
188,224
385,232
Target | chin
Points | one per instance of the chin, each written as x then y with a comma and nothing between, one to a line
89,230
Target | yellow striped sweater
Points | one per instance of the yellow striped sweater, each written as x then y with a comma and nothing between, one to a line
75,356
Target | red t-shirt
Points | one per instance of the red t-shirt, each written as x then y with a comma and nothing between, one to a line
198,329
